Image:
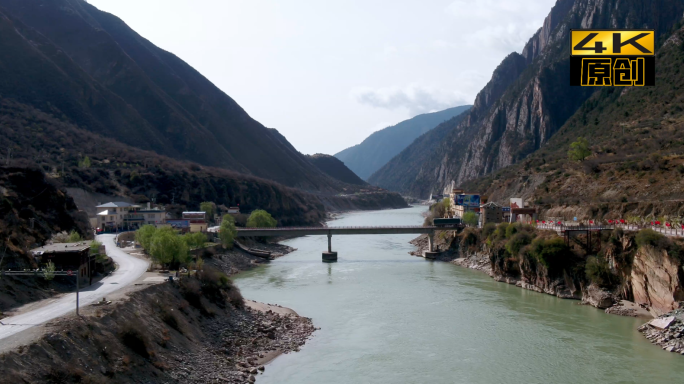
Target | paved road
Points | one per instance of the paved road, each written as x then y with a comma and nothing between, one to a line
129,270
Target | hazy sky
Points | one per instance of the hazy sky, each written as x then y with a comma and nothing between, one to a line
327,73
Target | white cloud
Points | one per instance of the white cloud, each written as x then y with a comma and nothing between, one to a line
415,98
503,25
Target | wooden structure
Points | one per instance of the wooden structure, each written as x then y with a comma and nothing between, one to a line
74,257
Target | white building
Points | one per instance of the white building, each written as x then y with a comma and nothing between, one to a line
123,216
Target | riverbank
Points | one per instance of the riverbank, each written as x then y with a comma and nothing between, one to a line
185,332
650,272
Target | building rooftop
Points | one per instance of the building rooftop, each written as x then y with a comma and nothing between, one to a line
116,204
62,248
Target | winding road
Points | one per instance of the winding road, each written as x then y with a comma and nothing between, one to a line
129,269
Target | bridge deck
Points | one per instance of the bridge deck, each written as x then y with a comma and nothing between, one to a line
301,231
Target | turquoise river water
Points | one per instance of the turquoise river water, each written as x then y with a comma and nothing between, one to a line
389,317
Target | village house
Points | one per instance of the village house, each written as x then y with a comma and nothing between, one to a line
125,216
197,220
74,257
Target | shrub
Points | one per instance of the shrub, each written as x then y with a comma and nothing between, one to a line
500,232
517,242
649,237
135,339
598,272
552,253
488,230
469,237
215,283
95,248
511,230
170,318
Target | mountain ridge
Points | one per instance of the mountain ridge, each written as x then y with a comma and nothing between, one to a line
381,146
536,101
72,60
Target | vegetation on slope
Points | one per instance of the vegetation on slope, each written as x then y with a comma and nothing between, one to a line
636,143
335,168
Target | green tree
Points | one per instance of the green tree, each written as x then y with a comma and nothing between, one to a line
49,271
210,208
579,150
95,248
227,231
447,204
74,237
167,247
470,218
261,219
144,236
85,163
195,240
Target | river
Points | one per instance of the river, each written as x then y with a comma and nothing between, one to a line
389,317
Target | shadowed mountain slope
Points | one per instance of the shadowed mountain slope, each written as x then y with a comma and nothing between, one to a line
335,168
71,60
381,146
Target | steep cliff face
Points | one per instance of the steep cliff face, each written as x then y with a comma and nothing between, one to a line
431,157
657,280
651,276
636,163
517,114
541,100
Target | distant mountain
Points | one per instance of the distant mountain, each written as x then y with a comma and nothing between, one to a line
529,97
381,146
69,59
405,170
336,169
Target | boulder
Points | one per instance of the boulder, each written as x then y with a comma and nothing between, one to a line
662,323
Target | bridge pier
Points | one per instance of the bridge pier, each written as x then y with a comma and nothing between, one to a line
330,256
430,253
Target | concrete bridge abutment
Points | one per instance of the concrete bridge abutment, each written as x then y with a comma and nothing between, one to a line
430,253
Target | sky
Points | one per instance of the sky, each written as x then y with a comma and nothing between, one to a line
328,73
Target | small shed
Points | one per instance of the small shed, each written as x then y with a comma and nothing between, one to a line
68,257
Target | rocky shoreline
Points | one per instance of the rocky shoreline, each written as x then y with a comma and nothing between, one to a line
666,331
240,354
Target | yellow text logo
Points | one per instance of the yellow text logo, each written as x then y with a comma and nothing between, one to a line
587,42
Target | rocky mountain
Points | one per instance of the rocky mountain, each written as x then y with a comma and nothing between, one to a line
636,141
336,169
406,170
381,146
69,59
529,97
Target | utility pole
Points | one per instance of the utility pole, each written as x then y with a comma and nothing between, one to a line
9,153
78,277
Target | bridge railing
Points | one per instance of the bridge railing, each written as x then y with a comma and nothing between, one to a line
327,228
673,232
